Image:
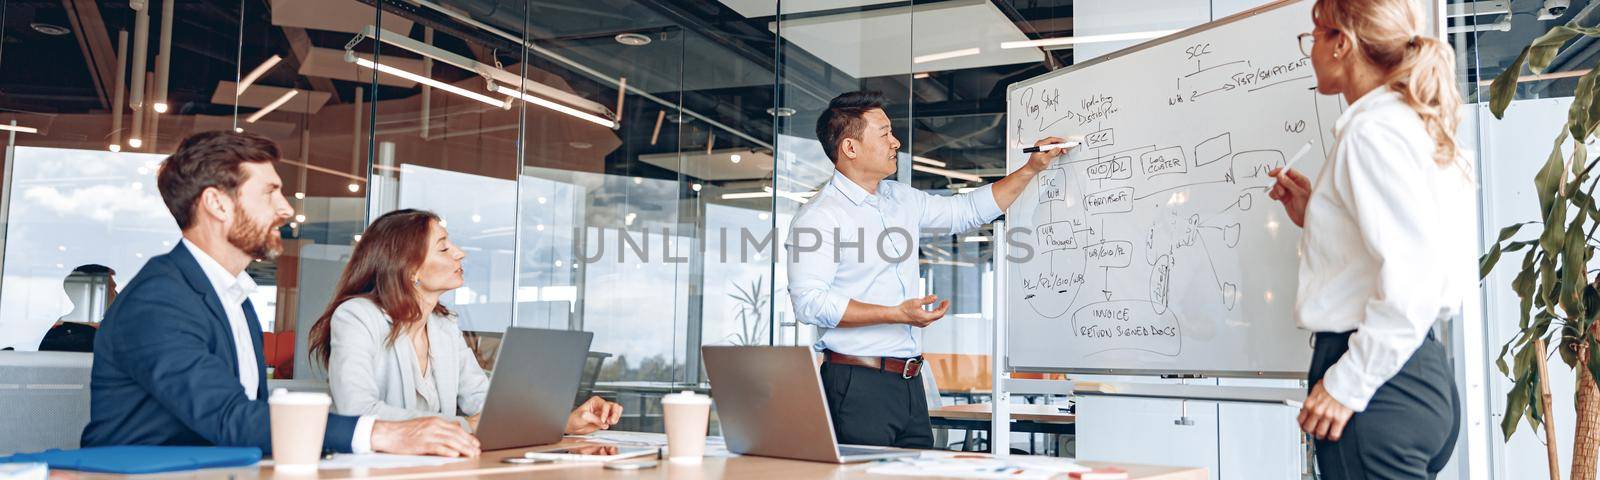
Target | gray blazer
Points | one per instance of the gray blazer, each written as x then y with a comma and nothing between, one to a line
368,377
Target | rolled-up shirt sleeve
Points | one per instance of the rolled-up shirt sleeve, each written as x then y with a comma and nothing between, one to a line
811,270
1392,215
958,213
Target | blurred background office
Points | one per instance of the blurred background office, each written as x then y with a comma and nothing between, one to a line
545,131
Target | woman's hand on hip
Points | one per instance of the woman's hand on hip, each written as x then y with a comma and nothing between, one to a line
1322,416
1292,190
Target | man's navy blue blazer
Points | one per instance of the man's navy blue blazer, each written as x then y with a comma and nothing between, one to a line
166,373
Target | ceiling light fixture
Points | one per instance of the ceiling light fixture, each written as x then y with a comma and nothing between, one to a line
781,112
137,69
118,100
633,39
163,63
766,192
18,128
271,106
580,114
744,195
1077,39
499,79
50,29
497,103
257,73
934,57
928,161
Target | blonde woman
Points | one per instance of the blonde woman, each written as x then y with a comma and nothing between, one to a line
1388,243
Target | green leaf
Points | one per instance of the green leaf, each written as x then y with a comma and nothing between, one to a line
1593,113
1486,265
1546,183
1511,230
1573,274
1516,405
1524,286
1547,281
1544,49
1504,88
1555,224
1500,361
1536,411
1579,120
1578,112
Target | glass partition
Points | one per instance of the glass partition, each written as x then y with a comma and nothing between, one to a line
608,166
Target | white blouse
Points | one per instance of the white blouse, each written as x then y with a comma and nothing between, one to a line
1389,244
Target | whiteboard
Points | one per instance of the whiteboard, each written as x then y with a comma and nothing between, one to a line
1154,248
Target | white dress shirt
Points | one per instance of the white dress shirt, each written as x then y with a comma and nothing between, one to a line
1388,246
855,259
234,290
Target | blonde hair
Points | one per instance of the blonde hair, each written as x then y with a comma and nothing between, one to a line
1421,68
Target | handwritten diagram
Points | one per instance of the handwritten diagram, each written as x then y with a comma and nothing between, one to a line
1154,243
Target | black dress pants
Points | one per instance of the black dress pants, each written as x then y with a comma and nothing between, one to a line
874,407
1408,429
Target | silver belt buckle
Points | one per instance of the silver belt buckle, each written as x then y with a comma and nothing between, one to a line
905,371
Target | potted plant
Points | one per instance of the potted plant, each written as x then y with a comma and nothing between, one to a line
1560,296
750,309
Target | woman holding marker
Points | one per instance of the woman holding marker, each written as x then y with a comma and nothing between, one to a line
1388,243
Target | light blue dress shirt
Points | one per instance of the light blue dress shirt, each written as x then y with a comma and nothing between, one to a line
847,244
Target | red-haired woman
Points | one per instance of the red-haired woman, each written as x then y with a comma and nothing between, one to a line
392,350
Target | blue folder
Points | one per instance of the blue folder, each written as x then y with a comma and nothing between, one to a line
139,459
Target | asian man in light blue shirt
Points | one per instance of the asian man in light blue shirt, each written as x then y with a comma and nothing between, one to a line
853,270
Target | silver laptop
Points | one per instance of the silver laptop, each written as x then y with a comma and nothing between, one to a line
535,379
771,404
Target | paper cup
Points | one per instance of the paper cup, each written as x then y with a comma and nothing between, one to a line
687,418
298,421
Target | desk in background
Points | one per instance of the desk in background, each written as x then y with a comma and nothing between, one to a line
1025,418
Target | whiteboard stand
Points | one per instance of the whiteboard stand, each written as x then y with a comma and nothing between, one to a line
1000,411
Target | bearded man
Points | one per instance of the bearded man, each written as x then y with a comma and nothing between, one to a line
178,357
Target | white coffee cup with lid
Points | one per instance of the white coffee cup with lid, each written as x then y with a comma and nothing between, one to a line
687,417
298,422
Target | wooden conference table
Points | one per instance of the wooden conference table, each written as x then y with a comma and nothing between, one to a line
489,467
